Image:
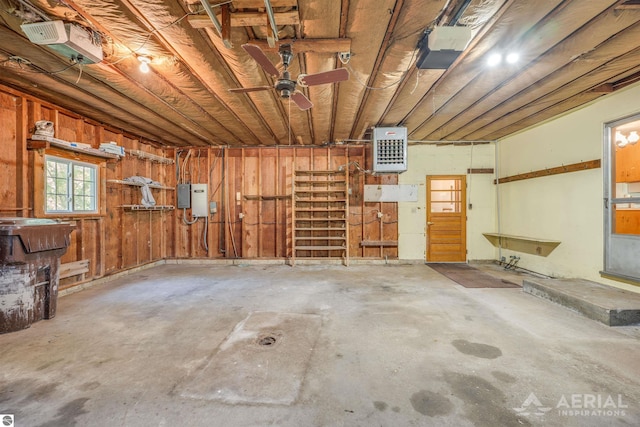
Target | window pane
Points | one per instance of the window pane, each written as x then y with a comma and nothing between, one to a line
62,203
70,186
61,186
443,184
625,170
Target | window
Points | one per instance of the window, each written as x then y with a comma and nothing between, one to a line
70,186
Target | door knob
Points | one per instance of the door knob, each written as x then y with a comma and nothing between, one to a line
429,223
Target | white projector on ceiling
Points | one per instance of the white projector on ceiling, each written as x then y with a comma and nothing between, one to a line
68,39
444,45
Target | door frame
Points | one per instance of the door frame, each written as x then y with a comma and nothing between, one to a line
463,213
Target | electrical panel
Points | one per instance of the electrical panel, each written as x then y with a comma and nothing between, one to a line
390,150
184,196
199,201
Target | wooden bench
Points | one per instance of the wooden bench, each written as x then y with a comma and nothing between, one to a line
70,269
529,245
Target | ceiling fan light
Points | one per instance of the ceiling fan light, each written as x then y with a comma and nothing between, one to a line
512,58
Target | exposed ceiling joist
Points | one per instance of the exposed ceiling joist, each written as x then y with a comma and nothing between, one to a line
571,52
246,19
628,4
272,27
216,23
258,4
310,45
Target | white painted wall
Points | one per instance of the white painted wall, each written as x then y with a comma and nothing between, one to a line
566,207
426,160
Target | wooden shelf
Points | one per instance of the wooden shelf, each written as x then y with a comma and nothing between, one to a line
275,197
378,243
137,184
303,219
147,208
321,248
303,191
318,196
322,172
312,182
321,238
320,228
527,245
327,209
37,142
151,157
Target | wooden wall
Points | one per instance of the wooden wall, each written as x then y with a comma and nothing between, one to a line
254,182
113,239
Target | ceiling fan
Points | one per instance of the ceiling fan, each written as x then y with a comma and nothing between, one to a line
284,85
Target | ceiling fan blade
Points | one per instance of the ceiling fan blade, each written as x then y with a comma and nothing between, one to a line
257,54
301,101
250,89
333,76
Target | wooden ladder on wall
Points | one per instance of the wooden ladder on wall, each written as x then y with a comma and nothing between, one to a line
320,218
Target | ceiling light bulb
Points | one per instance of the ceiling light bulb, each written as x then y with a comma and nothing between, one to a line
621,140
512,58
494,59
144,63
633,137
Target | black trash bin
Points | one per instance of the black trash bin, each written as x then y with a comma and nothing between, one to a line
30,251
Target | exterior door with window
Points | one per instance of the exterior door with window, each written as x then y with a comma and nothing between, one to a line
622,199
446,218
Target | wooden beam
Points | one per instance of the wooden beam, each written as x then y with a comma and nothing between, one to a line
225,21
310,45
628,4
246,19
272,27
272,36
480,170
575,167
603,88
259,4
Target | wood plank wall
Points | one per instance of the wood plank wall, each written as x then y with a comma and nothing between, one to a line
256,182
112,240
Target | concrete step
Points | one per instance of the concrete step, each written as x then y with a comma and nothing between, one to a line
606,304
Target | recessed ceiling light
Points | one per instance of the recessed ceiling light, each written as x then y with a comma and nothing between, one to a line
512,58
494,59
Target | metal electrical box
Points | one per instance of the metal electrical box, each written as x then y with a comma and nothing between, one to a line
199,201
184,196
390,149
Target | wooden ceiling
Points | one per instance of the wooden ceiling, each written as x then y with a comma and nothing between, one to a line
571,52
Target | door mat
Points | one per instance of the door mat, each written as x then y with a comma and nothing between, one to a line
263,360
470,277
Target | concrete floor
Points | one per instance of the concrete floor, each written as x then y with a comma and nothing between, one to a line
394,345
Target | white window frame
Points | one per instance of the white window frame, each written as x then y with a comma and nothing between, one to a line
71,184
